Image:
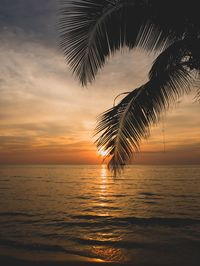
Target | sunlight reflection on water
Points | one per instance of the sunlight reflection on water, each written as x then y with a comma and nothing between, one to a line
103,187
109,254
106,253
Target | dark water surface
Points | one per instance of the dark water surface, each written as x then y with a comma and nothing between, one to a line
150,213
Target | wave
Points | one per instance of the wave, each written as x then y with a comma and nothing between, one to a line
151,202
27,177
116,244
39,247
149,194
31,246
90,217
22,214
90,220
94,221
154,221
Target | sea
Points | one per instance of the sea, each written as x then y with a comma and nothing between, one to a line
147,214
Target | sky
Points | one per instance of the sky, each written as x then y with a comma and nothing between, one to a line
45,114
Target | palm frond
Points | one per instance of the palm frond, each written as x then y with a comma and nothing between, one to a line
85,34
185,51
90,30
197,97
123,126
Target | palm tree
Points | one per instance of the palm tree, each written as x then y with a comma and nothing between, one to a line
92,30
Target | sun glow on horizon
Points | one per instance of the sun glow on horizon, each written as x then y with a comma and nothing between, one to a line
102,152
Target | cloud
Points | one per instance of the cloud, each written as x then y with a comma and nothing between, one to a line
35,18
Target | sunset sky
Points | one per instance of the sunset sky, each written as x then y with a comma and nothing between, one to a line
45,114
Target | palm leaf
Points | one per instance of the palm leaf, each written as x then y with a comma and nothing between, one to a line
92,30
123,126
185,51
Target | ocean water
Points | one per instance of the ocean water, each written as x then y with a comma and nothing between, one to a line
148,214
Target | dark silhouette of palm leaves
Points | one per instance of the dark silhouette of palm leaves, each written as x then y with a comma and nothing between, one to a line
93,30
123,126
